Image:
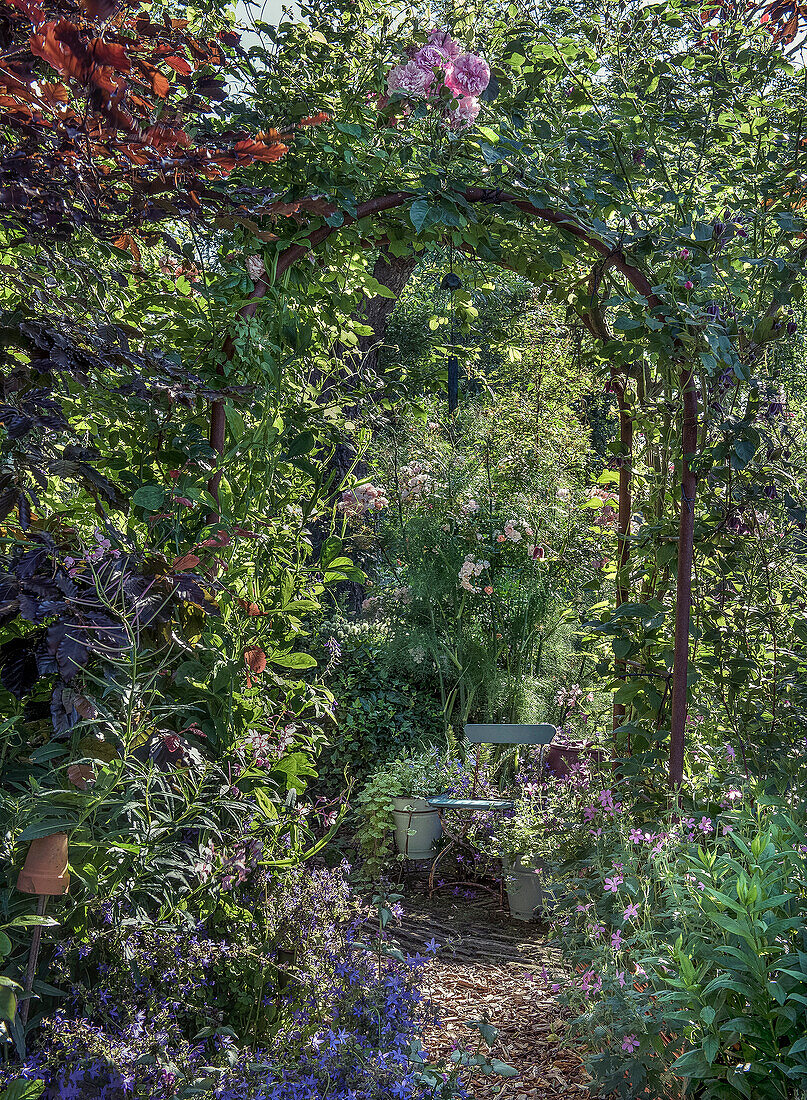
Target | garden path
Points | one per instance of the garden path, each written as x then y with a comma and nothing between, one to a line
491,967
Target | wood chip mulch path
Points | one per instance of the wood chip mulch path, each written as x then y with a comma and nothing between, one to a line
492,968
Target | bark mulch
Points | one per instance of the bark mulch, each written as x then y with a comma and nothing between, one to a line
491,968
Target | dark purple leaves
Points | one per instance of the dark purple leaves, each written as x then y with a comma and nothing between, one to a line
18,667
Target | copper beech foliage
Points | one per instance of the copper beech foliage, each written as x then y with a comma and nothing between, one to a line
784,19
108,119
110,123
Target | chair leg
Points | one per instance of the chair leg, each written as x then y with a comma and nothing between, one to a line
451,844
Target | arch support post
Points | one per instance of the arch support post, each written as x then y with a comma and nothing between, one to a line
683,590
620,387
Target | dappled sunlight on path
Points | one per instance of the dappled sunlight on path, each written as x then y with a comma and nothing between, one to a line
528,1020
491,968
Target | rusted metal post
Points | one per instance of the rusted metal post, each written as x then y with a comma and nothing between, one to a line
683,591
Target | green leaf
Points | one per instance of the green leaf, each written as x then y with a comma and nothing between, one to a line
46,828
693,1064
738,1080
343,574
149,497
502,1068
331,548
420,212
626,693
744,451
488,1032
265,803
710,1048
293,660
23,1090
8,1004
302,445
626,324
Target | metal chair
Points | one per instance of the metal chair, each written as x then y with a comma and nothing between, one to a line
486,733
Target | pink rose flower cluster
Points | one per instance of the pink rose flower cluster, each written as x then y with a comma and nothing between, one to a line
472,567
365,498
441,63
512,533
568,697
610,504
414,480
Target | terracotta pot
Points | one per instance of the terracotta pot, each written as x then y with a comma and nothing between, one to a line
560,759
45,870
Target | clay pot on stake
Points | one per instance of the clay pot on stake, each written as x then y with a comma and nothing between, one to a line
45,874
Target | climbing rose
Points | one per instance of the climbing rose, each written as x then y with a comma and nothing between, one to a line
443,40
465,112
431,57
469,75
410,79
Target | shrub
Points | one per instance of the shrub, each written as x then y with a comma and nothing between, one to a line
688,936
380,711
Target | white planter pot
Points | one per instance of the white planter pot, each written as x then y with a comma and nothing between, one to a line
528,890
416,814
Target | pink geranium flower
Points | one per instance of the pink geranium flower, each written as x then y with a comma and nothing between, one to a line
469,75
410,79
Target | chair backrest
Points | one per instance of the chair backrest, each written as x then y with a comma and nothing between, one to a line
502,733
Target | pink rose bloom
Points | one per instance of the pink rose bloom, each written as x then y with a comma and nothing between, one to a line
410,79
430,57
443,40
469,75
464,115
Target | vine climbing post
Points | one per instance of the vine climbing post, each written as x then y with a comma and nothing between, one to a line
620,388
683,593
